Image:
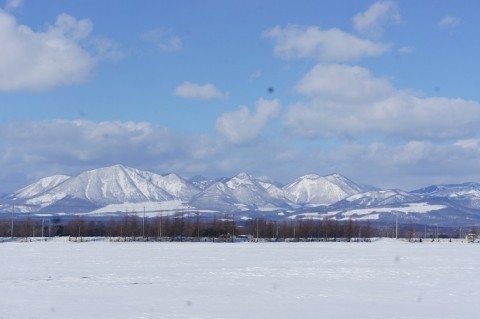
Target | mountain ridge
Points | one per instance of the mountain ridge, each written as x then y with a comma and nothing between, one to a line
309,196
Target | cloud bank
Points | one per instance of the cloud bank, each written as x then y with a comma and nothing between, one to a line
42,148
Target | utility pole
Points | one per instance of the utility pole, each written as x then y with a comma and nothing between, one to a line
11,231
143,223
43,225
198,225
396,226
161,216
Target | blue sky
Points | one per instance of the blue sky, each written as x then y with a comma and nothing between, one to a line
383,92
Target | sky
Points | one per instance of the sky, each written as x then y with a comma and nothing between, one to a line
385,93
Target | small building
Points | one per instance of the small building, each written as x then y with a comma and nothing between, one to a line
471,237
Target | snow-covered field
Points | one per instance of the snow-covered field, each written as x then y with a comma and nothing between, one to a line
383,279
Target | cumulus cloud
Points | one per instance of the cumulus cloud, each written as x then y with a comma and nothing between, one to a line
242,125
372,21
195,91
350,101
340,82
164,40
449,22
332,45
47,59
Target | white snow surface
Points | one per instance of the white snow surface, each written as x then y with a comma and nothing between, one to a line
152,209
383,279
371,213
421,208
381,197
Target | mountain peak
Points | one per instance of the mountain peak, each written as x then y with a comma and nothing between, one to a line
309,176
117,167
320,190
335,175
241,179
243,175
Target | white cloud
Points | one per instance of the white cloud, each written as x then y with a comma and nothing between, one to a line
469,144
13,4
340,82
164,40
44,60
242,126
199,91
333,45
349,101
372,21
449,22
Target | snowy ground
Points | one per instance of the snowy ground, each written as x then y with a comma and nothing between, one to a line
384,279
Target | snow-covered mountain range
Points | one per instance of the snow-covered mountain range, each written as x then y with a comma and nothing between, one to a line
118,188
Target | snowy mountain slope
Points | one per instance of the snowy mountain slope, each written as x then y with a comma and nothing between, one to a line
203,183
273,188
332,196
39,187
241,191
115,184
251,192
466,194
379,198
96,188
215,197
175,185
320,190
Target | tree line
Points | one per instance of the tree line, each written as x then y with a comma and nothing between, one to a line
193,227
